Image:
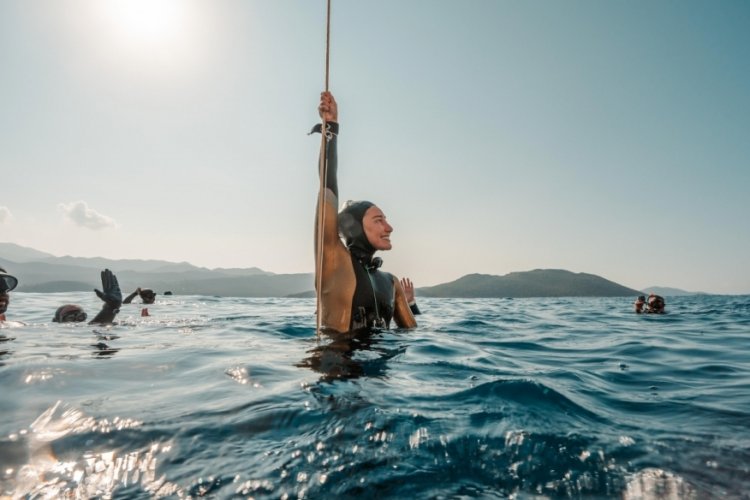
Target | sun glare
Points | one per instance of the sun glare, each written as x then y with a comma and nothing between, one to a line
148,29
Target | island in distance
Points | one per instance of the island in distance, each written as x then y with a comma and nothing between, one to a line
536,283
43,272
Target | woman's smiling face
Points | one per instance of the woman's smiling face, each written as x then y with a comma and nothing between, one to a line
377,229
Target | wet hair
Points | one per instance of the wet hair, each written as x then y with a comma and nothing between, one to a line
655,299
655,303
69,313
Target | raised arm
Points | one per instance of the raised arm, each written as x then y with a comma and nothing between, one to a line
327,207
335,280
112,297
130,297
329,114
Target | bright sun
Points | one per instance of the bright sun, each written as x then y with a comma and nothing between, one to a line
148,29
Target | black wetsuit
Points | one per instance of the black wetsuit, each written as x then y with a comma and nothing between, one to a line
373,299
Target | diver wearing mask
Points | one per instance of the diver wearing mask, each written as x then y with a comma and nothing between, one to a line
355,293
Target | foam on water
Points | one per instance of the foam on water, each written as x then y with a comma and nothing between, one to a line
532,398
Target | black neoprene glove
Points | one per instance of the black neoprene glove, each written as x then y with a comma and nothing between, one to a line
112,297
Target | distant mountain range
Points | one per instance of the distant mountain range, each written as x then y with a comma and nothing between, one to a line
42,272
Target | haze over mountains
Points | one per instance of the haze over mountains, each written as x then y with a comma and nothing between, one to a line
42,272
666,291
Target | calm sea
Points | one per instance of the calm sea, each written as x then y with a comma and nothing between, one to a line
237,398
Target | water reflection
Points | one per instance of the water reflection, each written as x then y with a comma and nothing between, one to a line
101,348
658,484
5,352
38,463
351,355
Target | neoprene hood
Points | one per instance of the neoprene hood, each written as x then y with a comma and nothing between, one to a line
351,228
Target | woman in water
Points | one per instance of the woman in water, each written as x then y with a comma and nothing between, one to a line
354,293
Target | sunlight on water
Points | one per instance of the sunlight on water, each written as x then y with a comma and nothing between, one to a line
92,474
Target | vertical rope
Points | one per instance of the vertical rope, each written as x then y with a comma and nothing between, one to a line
323,167
328,40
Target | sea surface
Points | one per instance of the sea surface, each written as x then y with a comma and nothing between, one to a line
500,398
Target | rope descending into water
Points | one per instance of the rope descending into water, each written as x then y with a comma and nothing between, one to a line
323,167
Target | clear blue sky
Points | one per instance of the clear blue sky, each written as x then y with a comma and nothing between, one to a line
605,137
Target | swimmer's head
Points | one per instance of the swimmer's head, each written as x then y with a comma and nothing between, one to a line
7,283
148,296
69,313
364,227
639,303
350,222
655,303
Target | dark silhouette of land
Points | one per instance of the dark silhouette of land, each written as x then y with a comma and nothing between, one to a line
536,283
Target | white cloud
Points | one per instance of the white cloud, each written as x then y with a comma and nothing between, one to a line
80,214
5,215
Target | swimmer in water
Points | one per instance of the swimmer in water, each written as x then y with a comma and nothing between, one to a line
110,294
355,292
7,284
655,304
147,295
69,313
639,304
